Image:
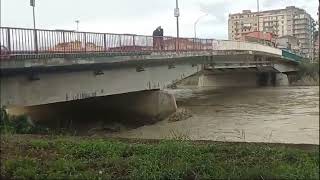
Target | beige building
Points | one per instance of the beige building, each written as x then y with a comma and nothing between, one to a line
289,21
316,49
289,42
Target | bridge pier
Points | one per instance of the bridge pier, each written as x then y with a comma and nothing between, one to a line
242,79
281,79
136,108
230,79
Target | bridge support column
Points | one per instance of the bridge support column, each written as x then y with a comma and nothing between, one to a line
150,105
228,79
135,108
266,78
281,79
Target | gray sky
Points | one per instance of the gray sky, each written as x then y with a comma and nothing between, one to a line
138,16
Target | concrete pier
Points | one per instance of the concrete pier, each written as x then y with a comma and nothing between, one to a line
282,79
144,107
234,79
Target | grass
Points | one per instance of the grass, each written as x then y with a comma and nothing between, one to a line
62,157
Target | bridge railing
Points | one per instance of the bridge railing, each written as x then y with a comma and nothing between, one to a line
22,42
15,41
244,46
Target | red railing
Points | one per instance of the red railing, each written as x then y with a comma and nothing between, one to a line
23,42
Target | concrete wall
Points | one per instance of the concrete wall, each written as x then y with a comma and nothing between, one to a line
232,79
65,86
137,108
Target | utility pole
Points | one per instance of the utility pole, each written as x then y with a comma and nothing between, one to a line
0,13
33,4
77,21
177,14
258,15
258,10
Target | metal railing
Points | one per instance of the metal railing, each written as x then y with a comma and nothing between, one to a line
22,41
29,43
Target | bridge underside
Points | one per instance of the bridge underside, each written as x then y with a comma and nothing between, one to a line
45,88
44,81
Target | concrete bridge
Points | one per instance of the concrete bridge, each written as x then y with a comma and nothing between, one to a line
50,68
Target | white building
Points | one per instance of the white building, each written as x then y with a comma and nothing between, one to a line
290,21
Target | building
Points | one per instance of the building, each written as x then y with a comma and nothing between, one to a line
75,46
259,37
289,21
290,43
316,48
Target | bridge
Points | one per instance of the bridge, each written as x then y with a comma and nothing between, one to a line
54,68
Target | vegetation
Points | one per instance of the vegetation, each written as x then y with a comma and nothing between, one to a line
308,74
17,124
57,157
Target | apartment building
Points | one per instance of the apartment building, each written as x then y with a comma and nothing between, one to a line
316,49
290,21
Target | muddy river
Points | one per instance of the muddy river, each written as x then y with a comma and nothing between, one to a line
266,114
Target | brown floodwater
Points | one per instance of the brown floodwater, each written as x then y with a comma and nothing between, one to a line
265,114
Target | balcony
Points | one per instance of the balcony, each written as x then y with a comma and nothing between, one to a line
298,33
300,27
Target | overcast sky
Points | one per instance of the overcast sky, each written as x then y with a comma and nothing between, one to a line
138,16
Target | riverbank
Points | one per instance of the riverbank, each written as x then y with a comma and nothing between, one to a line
64,157
308,75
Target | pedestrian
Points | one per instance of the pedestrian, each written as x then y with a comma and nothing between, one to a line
161,38
156,38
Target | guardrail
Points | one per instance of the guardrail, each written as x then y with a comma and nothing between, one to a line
245,46
17,41
32,43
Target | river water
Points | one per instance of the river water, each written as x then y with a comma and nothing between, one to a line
266,114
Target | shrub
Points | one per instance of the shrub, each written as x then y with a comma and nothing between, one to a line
18,124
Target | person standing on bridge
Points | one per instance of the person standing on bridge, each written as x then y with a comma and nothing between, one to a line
161,38
156,38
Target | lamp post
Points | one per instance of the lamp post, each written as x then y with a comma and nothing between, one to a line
258,15
77,22
195,25
33,4
177,14
0,13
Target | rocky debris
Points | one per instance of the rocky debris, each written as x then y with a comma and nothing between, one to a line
180,115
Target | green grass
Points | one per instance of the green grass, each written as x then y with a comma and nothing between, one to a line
34,157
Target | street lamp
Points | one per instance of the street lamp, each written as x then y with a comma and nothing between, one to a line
195,25
258,15
77,21
33,4
177,14
0,13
